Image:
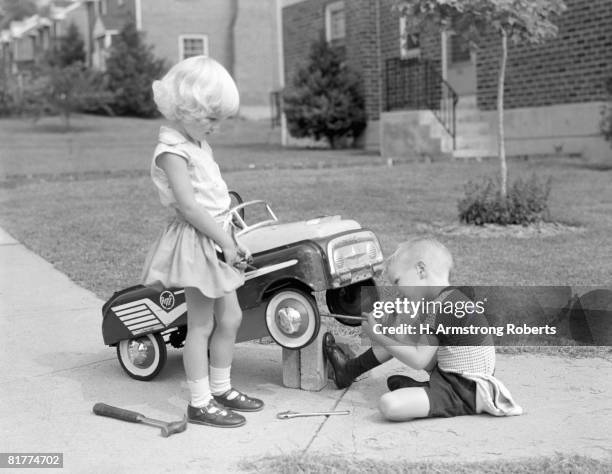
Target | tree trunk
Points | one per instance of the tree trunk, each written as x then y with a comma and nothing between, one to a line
500,114
231,38
332,141
66,114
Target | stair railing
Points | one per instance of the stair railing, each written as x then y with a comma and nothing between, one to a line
416,84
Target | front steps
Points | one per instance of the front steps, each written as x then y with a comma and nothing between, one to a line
475,137
418,133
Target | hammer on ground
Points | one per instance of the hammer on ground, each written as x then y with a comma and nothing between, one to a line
167,428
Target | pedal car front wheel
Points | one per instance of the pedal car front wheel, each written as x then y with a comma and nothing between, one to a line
142,357
292,319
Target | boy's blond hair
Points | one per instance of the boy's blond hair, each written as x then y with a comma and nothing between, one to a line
432,252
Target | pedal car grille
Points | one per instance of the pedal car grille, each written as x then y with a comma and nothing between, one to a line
352,253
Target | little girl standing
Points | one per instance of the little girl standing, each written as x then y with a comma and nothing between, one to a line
195,95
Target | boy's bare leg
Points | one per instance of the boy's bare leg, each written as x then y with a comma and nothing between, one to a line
404,404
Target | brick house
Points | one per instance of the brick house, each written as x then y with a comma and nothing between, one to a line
25,42
553,94
241,34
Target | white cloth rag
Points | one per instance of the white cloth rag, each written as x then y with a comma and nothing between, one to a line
492,396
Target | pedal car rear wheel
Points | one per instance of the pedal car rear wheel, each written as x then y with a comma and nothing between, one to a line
292,319
142,357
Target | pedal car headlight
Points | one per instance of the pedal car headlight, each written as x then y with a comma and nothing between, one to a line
353,252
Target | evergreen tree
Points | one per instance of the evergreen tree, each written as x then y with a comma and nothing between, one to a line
131,69
325,98
71,49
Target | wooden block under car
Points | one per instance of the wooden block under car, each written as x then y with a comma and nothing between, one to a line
306,368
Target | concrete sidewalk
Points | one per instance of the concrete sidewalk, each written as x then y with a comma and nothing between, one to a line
54,367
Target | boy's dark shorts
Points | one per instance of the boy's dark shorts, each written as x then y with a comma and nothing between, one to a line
450,394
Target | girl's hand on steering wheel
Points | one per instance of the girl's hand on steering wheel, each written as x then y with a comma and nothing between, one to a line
230,253
244,252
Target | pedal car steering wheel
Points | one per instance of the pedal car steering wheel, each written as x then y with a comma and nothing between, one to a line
236,201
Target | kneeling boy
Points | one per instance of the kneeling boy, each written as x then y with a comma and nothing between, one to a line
461,365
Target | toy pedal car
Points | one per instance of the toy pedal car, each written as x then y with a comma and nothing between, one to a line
303,270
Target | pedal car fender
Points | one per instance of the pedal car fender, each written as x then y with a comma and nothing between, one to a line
141,310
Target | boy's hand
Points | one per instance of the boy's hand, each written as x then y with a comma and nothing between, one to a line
367,326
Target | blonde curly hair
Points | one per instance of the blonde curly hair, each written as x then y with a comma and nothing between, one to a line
195,89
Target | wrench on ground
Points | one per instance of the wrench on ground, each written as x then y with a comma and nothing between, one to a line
285,415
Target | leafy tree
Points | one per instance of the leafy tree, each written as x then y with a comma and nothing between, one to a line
520,21
14,10
71,49
131,68
325,98
65,90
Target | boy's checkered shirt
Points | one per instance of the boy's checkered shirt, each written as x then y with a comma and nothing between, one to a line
474,353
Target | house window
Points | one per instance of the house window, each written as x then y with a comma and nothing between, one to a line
460,51
335,24
192,45
410,46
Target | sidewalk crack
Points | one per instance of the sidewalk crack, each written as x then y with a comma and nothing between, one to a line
316,433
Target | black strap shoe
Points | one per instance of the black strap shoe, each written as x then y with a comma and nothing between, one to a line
338,360
238,401
214,414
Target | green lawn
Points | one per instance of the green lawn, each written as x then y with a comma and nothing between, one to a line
119,146
98,230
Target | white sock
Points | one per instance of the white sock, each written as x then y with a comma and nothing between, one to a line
220,380
200,392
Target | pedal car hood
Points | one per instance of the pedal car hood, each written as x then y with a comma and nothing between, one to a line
277,235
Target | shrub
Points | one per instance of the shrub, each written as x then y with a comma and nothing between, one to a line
325,98
131,69
606,116
526,202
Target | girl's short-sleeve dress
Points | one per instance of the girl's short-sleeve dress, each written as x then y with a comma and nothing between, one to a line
182,256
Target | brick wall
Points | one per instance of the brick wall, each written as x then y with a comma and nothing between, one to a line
256,52
362,50
303,23
570,68
163,21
